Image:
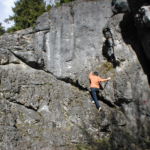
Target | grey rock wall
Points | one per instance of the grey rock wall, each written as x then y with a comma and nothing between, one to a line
44,98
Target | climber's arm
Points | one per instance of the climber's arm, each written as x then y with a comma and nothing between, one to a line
103,80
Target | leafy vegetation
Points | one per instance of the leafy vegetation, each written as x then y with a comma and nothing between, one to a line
62,2
2,30
65,1
26,13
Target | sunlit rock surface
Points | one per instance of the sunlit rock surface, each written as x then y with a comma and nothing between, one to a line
44,98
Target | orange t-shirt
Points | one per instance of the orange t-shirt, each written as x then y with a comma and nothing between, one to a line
95,80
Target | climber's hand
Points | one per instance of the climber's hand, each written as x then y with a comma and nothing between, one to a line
108,78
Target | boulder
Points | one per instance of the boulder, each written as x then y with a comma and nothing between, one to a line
45,102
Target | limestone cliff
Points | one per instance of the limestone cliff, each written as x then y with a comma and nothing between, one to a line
44,88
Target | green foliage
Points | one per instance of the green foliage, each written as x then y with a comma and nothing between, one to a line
2,30
48,7
58,4
26,13
63,1
13,29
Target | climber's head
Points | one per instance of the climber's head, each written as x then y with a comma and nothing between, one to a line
95,73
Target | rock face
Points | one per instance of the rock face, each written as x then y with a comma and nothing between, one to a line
120,6
141,13
44,98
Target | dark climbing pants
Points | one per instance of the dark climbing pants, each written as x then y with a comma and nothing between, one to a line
94,92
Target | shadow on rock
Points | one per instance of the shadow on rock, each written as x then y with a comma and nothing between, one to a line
136,4
129,34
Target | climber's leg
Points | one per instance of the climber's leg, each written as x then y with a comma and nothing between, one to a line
94,95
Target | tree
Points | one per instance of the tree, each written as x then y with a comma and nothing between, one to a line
65,1
26,13
2,30
62,2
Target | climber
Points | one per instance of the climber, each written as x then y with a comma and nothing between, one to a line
109,47
95,86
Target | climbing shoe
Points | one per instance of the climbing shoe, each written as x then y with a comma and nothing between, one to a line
99,109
